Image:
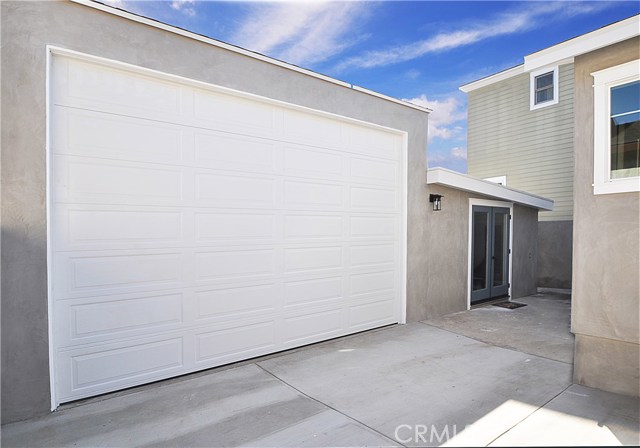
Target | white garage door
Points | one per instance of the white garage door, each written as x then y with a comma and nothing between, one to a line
193,226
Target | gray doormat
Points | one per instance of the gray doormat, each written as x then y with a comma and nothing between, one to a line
509,305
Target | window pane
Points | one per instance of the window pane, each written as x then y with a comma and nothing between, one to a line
480,227
543,88
544,95
545,80
625,98
625,130
500,248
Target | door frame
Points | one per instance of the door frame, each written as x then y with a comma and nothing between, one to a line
487,203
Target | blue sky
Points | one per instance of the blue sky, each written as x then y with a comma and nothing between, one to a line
421,51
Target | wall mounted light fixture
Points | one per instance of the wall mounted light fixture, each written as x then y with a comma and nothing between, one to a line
436,200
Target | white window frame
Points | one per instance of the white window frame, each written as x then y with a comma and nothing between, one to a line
532,87
604,80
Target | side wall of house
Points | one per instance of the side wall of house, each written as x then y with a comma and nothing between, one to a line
448,236
534,149
606,243
27,27
525,251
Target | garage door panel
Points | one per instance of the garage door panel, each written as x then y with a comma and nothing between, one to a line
371,282
312,130
234,227
312,258
87,227
313,226
310,195
98,87
313,291
237,302
234,152
373,171
312,327
193,227
374,226
374,199
88,273
234,265
233,114
374,254
307,162
115,367
373,142
232,344
106,318
81,180
95,134
370,314
234,191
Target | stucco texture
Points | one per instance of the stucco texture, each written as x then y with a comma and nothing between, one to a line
555,249
27,27
606,244
447,238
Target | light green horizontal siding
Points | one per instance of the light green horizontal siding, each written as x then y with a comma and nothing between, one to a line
534,149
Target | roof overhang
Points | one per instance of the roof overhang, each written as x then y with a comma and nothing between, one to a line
458,181
586,43
500,76
565,52
199,37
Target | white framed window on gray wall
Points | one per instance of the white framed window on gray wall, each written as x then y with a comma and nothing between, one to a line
617,129
543,87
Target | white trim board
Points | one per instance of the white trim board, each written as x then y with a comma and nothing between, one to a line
491,79
594,40
564,52
459,181
216,43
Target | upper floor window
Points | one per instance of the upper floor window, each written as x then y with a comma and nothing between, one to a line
616,130
625,130
544,87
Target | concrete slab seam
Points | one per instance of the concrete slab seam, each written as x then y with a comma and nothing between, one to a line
494,345
530,414
393,442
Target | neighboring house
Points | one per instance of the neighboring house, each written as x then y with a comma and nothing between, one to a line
566,124
525,140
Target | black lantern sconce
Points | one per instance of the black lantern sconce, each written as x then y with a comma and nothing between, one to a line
436,200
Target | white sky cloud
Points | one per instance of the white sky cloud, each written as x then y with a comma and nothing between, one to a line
184,6
446,113
459,153
116,3
301,33
531,17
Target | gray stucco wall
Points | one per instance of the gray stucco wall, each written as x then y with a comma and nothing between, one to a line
524,251
606,243
555,249
27,27
447,236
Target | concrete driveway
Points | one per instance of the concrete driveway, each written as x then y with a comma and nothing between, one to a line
420,384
